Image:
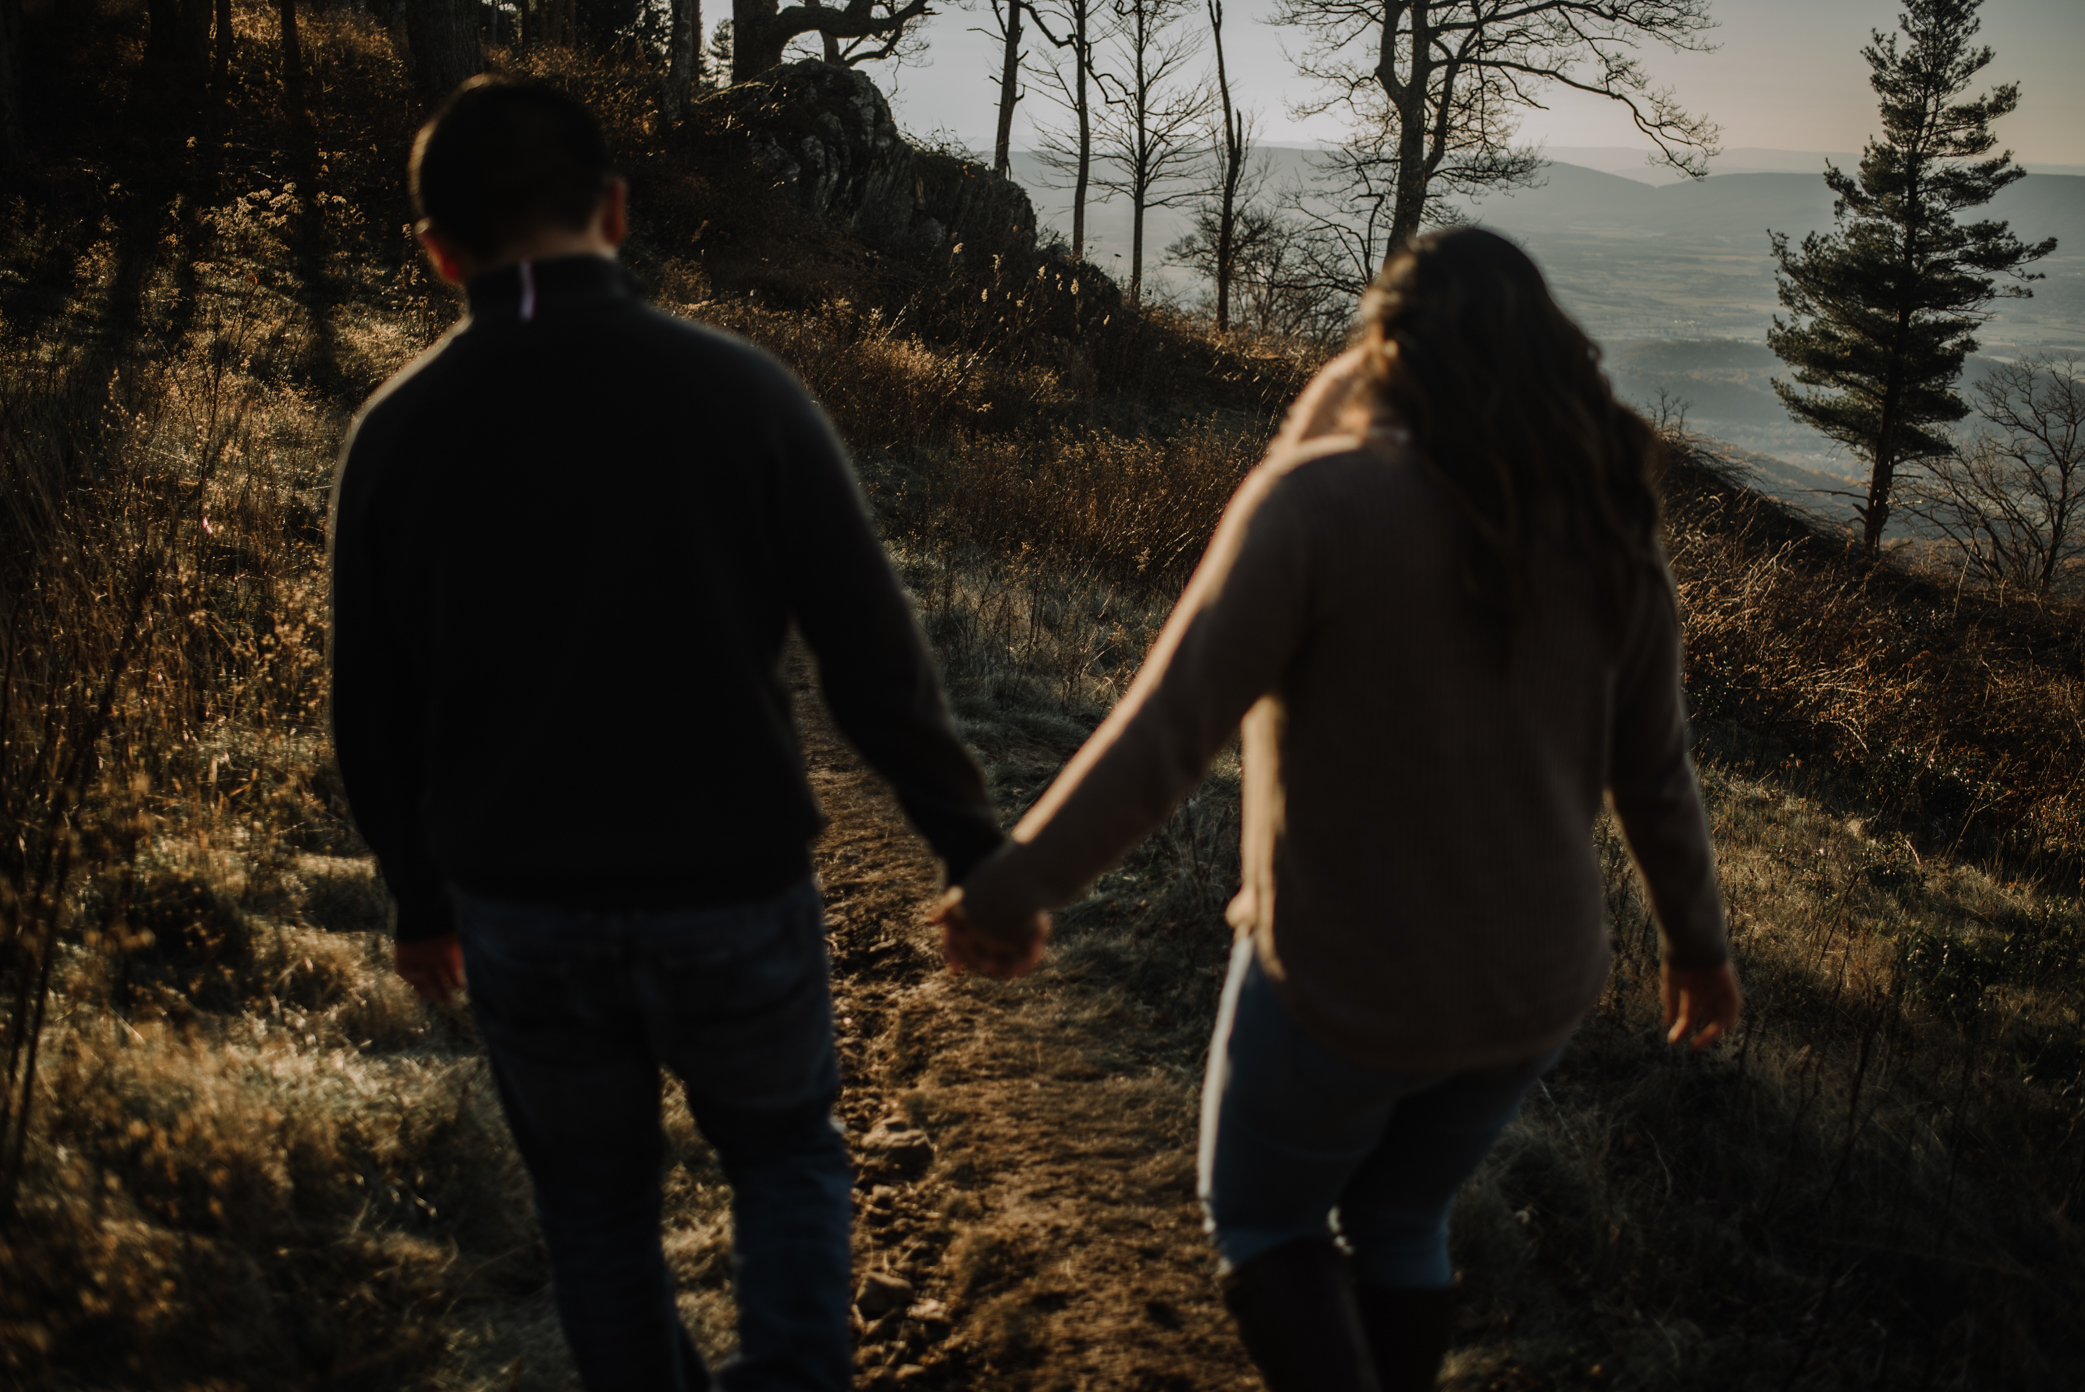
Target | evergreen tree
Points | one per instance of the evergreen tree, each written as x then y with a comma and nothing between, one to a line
716,72
1883,309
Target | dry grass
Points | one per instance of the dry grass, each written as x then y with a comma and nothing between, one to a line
1957,713
1874,1185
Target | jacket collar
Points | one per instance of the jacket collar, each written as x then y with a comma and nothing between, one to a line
527,290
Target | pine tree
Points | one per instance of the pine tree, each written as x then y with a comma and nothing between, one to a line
1884,309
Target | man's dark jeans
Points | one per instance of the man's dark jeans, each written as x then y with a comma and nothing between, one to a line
578,1011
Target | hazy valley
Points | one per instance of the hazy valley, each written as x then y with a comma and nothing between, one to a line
1675,280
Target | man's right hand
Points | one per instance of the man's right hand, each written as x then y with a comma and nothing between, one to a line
433,967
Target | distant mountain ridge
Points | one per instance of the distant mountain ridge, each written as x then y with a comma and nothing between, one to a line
1575,198
1675,281
1572,197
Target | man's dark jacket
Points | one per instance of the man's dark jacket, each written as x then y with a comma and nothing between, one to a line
568,543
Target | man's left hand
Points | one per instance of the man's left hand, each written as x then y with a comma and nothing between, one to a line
433,967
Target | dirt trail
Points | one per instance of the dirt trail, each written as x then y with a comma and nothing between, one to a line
1050,1239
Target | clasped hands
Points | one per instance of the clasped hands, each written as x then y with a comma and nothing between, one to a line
966,946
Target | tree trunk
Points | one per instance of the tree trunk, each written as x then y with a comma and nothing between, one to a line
829,45
683,57
177,44
444,37
195,36
14,146
1233,166
223,69
1081,57
1410,103
1136,249
755,47
1876,515
292,62
1009,91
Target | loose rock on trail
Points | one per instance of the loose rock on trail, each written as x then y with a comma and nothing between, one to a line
1025,1210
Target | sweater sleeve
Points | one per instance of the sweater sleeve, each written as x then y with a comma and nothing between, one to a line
873,664
1235,630
379,714
1651,781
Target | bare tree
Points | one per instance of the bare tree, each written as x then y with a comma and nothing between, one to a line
2013,498
683,58
761,30
1072,152
1437,85
1007,28
1277,289
1234,141
1343,222
1148,145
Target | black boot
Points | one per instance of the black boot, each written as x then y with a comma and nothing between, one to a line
1295,1311
1407,1329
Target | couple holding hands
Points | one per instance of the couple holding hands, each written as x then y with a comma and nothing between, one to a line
1439,610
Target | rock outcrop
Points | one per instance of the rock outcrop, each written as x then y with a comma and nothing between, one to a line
826,136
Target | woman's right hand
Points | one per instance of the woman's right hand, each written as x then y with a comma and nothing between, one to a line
1701,1005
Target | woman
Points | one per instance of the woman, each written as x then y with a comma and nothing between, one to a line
1441,609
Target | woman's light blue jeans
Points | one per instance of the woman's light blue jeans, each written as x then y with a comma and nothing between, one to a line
578,1011
1298,1141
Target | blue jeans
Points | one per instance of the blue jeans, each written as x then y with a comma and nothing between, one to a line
578,1011
1294,1134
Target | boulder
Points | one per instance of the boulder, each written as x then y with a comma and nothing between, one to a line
881,1292
973,206
825,135
894,1146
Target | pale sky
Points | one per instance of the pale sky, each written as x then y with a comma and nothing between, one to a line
1788,75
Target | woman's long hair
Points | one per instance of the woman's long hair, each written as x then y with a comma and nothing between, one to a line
1505,399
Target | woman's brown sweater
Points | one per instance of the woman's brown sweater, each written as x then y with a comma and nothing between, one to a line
1420,789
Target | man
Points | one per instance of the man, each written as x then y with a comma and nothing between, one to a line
568,543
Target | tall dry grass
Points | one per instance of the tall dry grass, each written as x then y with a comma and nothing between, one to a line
1874,1185
1957,712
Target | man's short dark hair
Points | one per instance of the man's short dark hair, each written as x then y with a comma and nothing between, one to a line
502,160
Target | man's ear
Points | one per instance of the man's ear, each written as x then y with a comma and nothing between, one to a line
449,262
615,212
